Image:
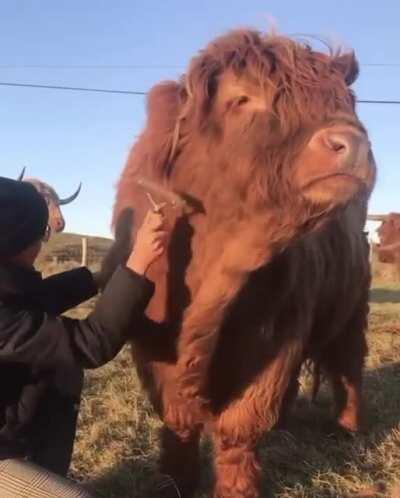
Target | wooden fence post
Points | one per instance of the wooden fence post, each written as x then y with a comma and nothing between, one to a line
371,250
84,251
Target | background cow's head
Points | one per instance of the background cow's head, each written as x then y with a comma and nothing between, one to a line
54,202
389,237
271,114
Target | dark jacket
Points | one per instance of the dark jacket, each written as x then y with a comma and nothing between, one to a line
41,350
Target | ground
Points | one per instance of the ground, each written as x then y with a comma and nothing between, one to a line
117,444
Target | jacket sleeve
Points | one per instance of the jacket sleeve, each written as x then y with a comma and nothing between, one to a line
66,290
46,341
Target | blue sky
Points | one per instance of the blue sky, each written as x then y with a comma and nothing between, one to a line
67,137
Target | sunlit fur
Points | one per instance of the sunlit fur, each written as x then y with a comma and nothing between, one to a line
260,277
389,239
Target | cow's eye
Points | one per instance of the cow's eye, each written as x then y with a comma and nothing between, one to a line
243,99
236,102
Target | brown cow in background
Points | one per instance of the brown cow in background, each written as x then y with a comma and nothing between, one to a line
388,249
54,202
270,267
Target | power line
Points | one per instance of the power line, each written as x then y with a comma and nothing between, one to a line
141,66
90,66
383,64
389,102
136,92
72,88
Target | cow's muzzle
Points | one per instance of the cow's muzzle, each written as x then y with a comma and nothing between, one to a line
346,145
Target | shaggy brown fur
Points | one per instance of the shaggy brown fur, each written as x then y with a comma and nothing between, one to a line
271,268
389,239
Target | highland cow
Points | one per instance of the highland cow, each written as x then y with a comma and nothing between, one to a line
388,249
54,202
270,267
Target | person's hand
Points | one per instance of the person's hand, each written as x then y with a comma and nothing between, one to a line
150,243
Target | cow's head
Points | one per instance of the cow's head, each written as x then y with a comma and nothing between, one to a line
389,236
274,116
54,202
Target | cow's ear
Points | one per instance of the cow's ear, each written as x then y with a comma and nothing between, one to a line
160,137
153,151
347,65
163,102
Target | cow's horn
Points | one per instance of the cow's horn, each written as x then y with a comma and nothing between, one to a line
72,197
21,175
376,217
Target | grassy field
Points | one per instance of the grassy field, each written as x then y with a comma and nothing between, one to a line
117,448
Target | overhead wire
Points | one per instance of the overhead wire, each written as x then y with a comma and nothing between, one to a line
142,93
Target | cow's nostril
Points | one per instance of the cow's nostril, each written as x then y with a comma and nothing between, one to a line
337,143
345,146
60,225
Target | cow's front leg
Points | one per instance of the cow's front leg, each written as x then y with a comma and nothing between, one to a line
237,470
179,464
185,405
240,425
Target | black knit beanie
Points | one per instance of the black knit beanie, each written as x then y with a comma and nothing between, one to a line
23,216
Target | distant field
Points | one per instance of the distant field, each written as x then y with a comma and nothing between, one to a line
117,446
66,249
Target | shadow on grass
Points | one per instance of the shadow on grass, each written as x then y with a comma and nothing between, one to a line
380,295
132,478
294,460
314,449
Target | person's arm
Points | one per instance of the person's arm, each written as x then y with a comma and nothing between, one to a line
116,318
66,290
47,342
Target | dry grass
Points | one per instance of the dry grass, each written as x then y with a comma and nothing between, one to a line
117,447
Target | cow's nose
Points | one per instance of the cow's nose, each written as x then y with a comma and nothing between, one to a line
339,143
348,144
60,225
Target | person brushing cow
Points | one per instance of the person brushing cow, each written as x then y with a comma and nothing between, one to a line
43,354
